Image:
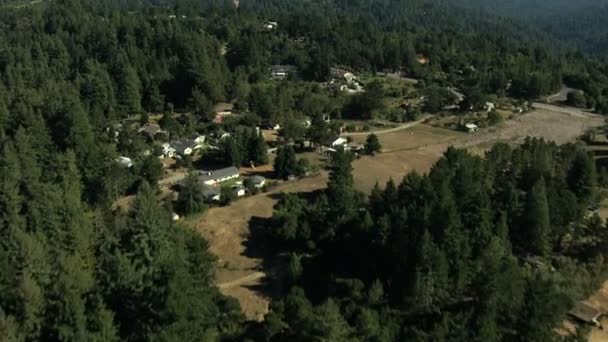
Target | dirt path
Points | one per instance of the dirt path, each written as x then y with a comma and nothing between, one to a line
243,280
390,130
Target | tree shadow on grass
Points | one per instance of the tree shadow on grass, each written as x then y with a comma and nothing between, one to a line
259,245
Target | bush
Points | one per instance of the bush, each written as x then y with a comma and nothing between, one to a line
494,118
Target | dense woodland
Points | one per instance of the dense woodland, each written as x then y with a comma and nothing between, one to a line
71,269
572,23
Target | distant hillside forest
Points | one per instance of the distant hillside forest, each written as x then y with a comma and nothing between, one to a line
442,256
578,24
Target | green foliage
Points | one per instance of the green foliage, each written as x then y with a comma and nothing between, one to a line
494,118
372,144
285,164
446,254
191,199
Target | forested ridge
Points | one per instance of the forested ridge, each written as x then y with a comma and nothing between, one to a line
578,24
446,250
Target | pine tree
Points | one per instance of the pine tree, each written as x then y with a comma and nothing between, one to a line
372,144
230,152
582,178
340,189
129,90
537,224
258,153
191,199
285,163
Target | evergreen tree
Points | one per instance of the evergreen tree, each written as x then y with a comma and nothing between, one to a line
285,163
191,199
536,219
372,144
230,152
258,153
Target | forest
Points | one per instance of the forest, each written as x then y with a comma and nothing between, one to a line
569,23
448,253
480,249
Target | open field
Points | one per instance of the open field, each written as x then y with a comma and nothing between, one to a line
227,230
240,272
404,151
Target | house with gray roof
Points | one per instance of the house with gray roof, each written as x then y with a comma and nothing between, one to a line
211,193
219,176
257,181
151,130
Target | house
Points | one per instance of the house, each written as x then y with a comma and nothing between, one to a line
257,181
151,130
182,147
354,147
458,95
238,190
168,151
124,161
471,127
306,121
220,116
271,25
221,111
200,140
186,147
489,106
219,176
586,313
211,193
281,72
336,142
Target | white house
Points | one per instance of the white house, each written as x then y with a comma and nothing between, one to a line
336,142
471,127
489,106
124,161
219,176
239,190
271,25
168,150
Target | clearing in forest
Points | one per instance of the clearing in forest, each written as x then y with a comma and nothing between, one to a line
240,272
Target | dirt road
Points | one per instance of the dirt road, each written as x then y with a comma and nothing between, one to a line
390,130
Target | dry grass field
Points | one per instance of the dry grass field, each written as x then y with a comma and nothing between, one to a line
414,149
228,229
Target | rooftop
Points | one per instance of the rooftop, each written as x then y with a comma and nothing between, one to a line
218,174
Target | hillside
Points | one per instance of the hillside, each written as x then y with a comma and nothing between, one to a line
577,24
